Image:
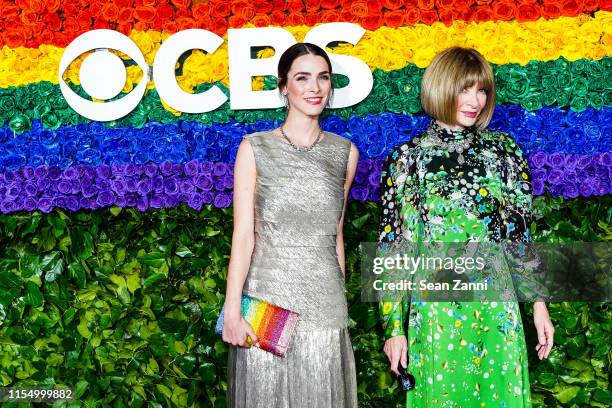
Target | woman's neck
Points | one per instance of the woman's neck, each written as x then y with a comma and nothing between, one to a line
301,129
452,128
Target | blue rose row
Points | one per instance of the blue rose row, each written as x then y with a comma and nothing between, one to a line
548,129
196,183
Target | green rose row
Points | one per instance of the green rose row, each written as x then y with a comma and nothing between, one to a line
561,83
121,305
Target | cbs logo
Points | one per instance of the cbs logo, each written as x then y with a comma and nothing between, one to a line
102,73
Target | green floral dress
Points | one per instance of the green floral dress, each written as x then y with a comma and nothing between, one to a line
462,354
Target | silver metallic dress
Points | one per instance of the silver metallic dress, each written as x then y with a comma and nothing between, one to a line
299,198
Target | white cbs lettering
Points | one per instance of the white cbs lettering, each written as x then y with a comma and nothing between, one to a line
242,67
358,72
164,72
97,76
103,75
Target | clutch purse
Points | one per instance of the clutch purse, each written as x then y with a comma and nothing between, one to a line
272,324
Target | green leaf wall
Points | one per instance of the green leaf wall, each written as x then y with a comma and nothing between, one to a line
121,306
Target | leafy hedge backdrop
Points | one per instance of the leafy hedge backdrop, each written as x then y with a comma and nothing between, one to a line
115,237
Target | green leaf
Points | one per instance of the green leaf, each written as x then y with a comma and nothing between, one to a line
80,389
153,278
207,373
183,252
78,273
133,282
115,211
567,394
154,259
164,390
33,295
82,243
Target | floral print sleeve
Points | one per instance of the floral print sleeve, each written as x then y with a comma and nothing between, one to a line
516,223
396,184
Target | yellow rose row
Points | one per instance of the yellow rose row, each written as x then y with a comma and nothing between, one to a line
501,42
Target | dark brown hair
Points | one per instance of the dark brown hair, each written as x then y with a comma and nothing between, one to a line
293,52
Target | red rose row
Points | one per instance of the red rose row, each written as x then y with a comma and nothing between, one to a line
31,23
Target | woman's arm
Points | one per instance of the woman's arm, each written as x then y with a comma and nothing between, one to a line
235,327
350,174
516,226
392,228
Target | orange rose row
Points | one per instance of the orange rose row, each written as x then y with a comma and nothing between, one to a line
31,23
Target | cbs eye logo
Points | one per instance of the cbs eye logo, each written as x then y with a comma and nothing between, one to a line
103,74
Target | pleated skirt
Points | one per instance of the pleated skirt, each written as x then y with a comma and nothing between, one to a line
318,371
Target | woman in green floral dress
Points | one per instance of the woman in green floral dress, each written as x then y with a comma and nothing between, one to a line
459,182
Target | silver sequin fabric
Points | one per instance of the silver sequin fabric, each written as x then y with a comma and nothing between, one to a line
299,198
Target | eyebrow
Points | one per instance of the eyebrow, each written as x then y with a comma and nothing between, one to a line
308,73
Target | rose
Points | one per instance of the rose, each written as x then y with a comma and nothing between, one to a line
313,5
311,19
142,203
372,22
538,187
125,15
429,17
579,103
145,14
203,182
426,4
195,201
166,168
504,10
330,16
278,18
555,176
200,10
105,198
330,4
170,201
528,12
537,160
156,201
165,12
222,200
171,186
571,8
359,193
29,204
532,102
263,6
220,9
44,204
394,18
295,6
20,123
359,9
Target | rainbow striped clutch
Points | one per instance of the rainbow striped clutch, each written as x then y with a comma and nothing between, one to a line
272,324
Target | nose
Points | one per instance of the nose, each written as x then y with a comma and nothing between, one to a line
316,87
472,98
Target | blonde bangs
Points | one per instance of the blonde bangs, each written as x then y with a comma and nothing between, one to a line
451,71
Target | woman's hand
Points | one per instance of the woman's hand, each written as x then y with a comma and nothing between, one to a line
396,349
545,329
236,330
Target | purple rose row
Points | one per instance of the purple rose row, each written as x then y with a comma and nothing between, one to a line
197,183
571,175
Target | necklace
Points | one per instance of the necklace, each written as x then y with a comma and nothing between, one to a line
301,148
458,147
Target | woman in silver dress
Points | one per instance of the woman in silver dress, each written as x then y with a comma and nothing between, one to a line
290,192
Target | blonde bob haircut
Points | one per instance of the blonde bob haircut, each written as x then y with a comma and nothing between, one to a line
449,73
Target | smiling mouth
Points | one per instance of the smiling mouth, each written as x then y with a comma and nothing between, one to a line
314,101
470,114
